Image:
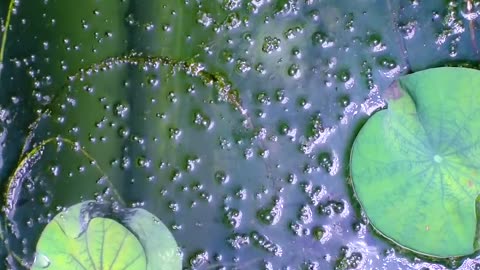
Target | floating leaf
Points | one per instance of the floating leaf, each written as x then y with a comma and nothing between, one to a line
80,237
160,246
415,166
100,243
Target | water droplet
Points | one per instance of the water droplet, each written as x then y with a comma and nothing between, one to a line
271,214
319,38
238,241
198,259
221,177
271,44
294,71
233,217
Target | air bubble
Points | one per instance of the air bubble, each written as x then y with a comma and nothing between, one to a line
242,66
202,121
198,259
325,161
121,110
294,71
318,233
271,214
221,177
319,38
271,44
233,218
238,241
265,243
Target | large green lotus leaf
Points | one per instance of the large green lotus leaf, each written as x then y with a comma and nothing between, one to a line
160,246
415,166
70,241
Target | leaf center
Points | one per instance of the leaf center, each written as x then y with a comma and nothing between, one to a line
437,159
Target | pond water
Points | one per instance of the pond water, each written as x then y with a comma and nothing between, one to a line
230,120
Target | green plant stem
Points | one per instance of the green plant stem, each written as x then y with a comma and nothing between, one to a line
5,33
14,182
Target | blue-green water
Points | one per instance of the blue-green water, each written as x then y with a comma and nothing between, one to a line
232,121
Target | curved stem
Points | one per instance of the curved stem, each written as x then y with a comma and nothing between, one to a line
5,33
15,181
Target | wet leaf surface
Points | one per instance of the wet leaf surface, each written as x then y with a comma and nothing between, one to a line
249,139
71,241
419,157
160,247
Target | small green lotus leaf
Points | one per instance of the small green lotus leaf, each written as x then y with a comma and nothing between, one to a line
160,246
101,243
415,166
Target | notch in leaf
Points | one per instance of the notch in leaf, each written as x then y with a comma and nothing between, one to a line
415,166
76,240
